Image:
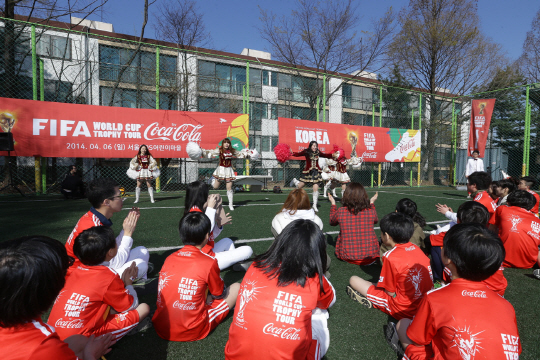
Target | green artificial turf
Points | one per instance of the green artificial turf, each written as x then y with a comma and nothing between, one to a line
355,331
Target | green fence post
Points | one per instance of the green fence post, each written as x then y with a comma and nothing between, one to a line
525,138
247,87
380,125
158,180
34,65
324,99
528,142
372,124
41,80
419,129
454,145
412,128
158,80
318,104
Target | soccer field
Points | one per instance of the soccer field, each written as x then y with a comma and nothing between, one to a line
355,331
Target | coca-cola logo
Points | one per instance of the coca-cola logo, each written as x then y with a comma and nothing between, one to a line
290,333
475,294
183,132
184,306
69,324
369,155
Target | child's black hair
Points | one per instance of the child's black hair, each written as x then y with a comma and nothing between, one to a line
297,254
193,228
509,183
481,179
529,181
196,195
399,226
92,245
473,212
476,252
32,273
522,199
408,207
100,189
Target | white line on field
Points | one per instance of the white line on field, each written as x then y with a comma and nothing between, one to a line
165,248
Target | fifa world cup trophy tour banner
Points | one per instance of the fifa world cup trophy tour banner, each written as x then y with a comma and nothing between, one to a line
52,129
481,111
373,144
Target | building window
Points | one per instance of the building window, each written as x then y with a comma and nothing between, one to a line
357,97
268,143
257,112
139,99
53,47
269,78
226,79
219,105
142,69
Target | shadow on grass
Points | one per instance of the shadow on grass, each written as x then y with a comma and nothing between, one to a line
330,240
372,270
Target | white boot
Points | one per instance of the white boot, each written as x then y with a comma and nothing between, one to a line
151,192
137,194
230,194
213,181
326,187
315,200
334,192
296,182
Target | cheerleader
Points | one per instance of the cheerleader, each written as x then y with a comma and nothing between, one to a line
312,172
328,168
339,173
225,171
143,167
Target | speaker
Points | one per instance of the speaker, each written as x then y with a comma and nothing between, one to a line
6,141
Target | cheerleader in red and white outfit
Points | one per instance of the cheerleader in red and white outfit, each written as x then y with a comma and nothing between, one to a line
340,172
225,171
143,167
312,172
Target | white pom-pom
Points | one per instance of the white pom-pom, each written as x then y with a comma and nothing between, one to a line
133,174
254,154
193,150
322,162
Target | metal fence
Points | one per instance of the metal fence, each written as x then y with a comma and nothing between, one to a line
65,64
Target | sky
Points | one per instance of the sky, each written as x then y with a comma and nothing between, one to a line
232,24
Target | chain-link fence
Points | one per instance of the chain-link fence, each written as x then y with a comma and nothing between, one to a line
72,64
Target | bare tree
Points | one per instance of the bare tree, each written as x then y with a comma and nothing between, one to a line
441,49
181,23
134,53
530,58
323,36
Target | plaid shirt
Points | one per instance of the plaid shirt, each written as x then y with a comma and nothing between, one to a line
356,239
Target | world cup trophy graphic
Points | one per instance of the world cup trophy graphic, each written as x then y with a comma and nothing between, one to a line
248,292
7,121
353,139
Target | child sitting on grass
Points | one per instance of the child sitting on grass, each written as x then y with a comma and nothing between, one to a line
95,300
471,212
464,319
192,298
405,275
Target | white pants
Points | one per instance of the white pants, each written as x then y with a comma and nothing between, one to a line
141,256
319,331
227,254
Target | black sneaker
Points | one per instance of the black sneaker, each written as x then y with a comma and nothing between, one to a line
359,298
142,326
536,273
392,338
150,268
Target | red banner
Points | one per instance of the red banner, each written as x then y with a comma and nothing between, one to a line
52,129
480,120
374,144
